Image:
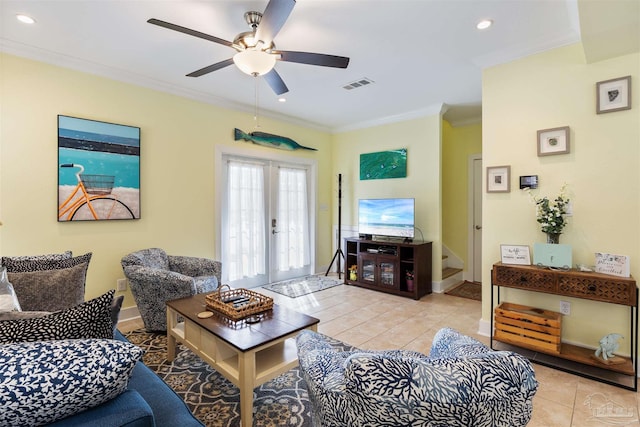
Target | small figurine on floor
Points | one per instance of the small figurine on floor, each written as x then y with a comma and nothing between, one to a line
608,344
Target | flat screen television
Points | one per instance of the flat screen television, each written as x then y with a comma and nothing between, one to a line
387,217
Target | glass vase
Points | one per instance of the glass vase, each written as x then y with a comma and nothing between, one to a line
553,238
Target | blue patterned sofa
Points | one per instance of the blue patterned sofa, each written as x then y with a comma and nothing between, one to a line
156,278
461,383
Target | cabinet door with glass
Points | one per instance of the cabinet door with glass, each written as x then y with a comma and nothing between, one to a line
367,268
379,270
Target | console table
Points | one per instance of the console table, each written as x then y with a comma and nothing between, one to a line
584,285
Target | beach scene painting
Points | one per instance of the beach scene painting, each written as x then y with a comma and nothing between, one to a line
98,170
384,164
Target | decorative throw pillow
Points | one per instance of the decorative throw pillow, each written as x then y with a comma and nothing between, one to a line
91,319
116,305
8,300
50,290
46,381
25,265
46,257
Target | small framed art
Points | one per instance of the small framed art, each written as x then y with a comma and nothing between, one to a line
613,95
498,179
515,254
553,141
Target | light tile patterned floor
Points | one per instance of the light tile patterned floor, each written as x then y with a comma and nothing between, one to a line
375,320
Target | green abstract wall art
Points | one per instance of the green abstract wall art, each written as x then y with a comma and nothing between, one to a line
384,164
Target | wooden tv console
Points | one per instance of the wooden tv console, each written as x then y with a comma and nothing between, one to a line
576,284
382,265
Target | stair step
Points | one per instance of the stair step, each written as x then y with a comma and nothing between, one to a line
450,271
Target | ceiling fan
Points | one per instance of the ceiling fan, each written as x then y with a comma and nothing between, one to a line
256,54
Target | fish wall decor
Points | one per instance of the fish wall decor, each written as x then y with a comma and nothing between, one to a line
269,140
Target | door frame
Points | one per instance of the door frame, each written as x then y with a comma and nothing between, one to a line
312,164
470,215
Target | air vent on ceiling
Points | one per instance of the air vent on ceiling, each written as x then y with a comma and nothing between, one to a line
358,83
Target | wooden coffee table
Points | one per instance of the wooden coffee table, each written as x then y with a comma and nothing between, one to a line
246,354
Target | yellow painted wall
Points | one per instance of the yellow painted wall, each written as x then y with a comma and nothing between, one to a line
547,90
422,138
458,143
178,178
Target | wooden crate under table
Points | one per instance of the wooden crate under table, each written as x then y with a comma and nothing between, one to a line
528,327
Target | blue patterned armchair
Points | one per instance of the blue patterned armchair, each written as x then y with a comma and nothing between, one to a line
461,383
156,278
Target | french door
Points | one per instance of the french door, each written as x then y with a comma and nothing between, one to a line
265,221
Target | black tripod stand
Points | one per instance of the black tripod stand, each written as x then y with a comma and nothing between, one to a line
339,245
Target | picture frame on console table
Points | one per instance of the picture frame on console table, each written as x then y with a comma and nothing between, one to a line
498,179
515,254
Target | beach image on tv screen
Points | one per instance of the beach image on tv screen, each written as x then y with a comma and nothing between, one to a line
386,217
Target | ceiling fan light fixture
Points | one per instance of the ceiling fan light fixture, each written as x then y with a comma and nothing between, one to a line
484,24
254,62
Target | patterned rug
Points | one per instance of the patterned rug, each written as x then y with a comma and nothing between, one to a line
304,285
470,290
215,401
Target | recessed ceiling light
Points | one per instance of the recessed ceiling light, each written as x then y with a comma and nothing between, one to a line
25,19
484,24
282,99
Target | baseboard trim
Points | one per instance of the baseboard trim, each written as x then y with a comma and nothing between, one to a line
129,313
484,328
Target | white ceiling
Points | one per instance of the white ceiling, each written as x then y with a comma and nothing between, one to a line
420,54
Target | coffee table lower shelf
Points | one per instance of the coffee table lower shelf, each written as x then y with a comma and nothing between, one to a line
271,360
577,360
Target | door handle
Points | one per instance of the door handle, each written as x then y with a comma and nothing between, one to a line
478,227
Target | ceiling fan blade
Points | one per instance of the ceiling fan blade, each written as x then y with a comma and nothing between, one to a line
313,58
275,81
189,31
211,68
273,18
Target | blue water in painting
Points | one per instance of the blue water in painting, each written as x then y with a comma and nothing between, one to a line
125,167
98,137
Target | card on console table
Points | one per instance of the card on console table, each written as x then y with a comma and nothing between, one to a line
616,265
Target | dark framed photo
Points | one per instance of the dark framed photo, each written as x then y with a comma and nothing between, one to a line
553,141
498,179
613,95
98,170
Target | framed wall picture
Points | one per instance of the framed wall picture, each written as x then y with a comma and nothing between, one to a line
384,164
98,170
515,254
553,141
613,95
498,179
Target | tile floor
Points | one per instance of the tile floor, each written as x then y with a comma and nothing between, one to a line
375,320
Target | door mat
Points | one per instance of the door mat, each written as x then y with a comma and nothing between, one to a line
470,290
304,285
214,400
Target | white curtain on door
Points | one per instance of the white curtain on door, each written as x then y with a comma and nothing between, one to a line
246,220
293,219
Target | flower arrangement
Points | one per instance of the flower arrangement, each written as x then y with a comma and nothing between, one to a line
409,274
551,213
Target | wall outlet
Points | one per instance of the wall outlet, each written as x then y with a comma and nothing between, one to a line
121,284
565,307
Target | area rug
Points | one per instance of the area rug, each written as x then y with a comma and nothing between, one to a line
304,285
215,401
470,290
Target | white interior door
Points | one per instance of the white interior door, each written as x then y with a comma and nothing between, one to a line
266,221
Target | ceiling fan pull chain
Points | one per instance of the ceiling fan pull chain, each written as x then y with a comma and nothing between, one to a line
256,116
